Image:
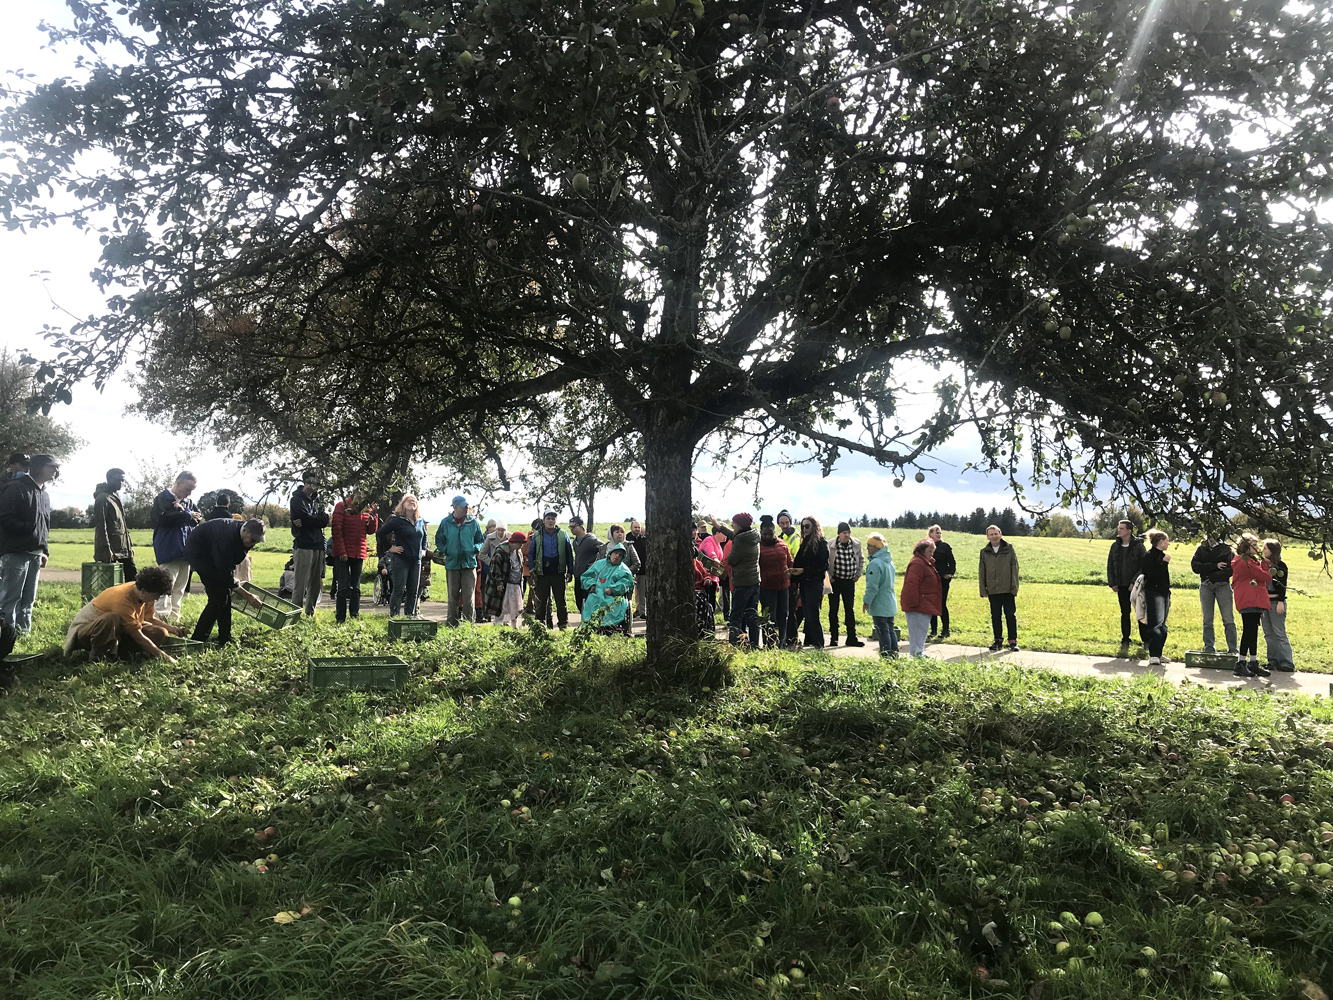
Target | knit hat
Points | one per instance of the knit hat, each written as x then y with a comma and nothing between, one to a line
517,537
742,521
843,526
765,519
785,513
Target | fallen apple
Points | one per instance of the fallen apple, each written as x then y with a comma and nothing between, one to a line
1093,919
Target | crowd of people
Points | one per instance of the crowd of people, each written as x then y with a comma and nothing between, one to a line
767,580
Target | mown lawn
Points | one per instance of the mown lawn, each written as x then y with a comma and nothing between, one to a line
523,820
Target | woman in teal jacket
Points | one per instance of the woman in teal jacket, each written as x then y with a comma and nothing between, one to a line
879,601
608,584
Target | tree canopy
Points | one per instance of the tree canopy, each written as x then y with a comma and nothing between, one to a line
22,429
727,220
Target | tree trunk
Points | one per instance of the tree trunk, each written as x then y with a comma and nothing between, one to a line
668,474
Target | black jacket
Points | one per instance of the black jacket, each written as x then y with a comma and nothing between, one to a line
1206,558
214,549
945,564
1124,562
218,513
1156,573
640,543
313,518
1277,587
814,560
25,517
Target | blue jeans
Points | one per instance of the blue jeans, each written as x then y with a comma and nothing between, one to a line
18,588
1276,644
776,604
1159,606
744,615
888,638
406,574
1219,596
918,627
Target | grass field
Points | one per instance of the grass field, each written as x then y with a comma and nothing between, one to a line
1064,605
523,821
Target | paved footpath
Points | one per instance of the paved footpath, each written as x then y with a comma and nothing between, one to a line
1065,663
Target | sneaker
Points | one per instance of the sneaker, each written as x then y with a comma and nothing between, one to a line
1241,670
853,641
995,647
1013,647
1164,658
1258,670
931,635
944,635
1154,661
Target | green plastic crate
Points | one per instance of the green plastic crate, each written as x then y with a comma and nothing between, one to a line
274,612
357,671
1198,659
98,577
14,659
413,628
180,646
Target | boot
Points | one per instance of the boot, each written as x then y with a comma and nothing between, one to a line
852,640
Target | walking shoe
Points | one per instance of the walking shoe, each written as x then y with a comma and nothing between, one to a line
995,647
833,639
1154,661
944,635
1257,670
1013,647
1240,670
1164,658
931,635
854,641
1285,668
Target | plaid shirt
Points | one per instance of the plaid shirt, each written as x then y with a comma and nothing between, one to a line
844,561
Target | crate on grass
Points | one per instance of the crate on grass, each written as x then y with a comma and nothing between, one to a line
273,610
14,659
1214,661
357,671
178,645
412,628
98,577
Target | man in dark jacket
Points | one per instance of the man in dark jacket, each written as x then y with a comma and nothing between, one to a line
552,560
586,546
25,529
947,567
743,558
998,579
1212,561
111,535
214,550
308,523
638,541
174,517
1122,568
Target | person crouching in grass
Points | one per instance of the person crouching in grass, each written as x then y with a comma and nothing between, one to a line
121,620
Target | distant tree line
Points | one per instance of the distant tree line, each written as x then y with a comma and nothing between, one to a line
974,523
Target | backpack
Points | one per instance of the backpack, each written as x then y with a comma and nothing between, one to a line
1137,600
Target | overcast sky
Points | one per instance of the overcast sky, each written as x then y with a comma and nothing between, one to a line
44,279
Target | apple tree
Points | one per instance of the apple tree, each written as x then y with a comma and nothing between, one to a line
725,222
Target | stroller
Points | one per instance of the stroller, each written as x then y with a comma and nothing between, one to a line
383,582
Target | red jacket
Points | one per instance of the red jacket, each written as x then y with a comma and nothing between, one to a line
350,530
774,561
922,592
1249,580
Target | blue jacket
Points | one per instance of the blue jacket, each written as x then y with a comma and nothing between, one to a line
459,543
398,530
879,585
563,562
171,527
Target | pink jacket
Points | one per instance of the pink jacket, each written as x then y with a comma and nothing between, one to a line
1249,580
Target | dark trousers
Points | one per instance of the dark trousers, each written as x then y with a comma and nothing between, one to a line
580,595
130,570
347,588
812,603
1159,606
724,595
1127,615
216,612
1249,633
775,605
744,616
547,585
794,610
844,591
944,607
1003,604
